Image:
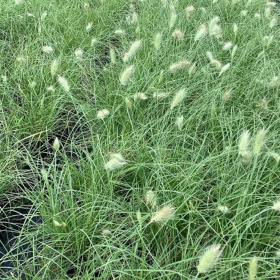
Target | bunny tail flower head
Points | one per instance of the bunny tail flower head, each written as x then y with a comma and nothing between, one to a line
253,267
178,34
165,213
192,69
179,122
126,75
139,217
244,145
119,32
63,83
224,69
157,41
79,53
19,2
209,258
178,98
89,27
56,144
173,18
259,142
116,161
134,48
227,46
179,66
150,198
189,10
102,114
47,49
276,206
54,67
113,56
201,33
223,209
58,224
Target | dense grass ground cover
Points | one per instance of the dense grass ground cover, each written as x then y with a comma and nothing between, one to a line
136,134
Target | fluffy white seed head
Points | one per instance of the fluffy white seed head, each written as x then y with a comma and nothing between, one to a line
253,267
128,103
139,217
18,2
244,142
178,34
227,95
58,224
51,88
224,209
179,122
244,13
102,114
190,10
274,82
209,258
215,20
134,48
116,161
4,79
165,213
178,98
44,15
270,4
54,67
113,56
268,40
257,16
276,206
224,69
32,84
89,27
174,67
192,69
79,53
157,41
160,95
216,63
233,52
126,75
267,12
209,55
106,232
119,32
93,42
227,46
273,22
140,96
45,174
86,6
47,49
173,18
134,18
56,144
150,198
259,142
216,31
63,83
201,33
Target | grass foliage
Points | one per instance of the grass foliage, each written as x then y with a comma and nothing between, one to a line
178,171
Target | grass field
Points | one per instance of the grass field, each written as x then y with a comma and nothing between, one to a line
139,139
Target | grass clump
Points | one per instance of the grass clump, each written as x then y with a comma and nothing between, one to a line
134,134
